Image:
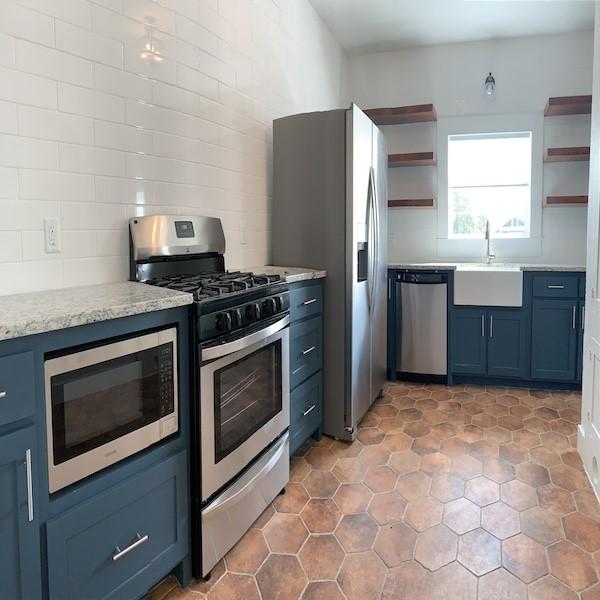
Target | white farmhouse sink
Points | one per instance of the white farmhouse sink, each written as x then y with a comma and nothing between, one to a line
480,284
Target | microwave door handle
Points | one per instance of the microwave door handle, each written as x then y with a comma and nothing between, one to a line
253,338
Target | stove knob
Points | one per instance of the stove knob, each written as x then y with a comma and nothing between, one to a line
236,318
270,306
223,322
278,303
253,312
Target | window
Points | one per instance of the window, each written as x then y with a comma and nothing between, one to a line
489,179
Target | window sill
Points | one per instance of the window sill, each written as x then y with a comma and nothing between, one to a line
476,248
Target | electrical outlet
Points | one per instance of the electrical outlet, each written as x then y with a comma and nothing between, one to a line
243,233
52,235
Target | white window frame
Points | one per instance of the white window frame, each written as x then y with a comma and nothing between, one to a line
489,124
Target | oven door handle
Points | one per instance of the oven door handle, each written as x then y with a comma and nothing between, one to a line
258,336
231,495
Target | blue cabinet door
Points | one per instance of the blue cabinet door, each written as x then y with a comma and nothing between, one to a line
554,334
469,341
19,527
508,354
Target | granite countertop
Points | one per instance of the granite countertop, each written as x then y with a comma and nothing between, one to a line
453,266
39,312
290,274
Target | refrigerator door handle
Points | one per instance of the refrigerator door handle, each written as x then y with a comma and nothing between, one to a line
372,239
375,232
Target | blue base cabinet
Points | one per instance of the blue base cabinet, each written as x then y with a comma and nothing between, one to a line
306,362
20,563
138,527
489,342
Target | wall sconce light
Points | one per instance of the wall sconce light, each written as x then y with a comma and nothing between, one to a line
490,85
150,53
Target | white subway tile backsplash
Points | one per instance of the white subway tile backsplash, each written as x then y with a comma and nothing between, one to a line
93,216
54,185
122,137
93,133
21,22
73,11
27,89
19,215
8,117
87,44
115,190
54,64
16,151
52,125
170,121
88,159
10,246
9,183
90,103
121,83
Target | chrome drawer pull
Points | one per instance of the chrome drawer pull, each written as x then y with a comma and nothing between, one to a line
311,301
29,485
3,395
555,287
308,350
573,323
309,410
139,540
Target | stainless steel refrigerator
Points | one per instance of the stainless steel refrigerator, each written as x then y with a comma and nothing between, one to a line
330,212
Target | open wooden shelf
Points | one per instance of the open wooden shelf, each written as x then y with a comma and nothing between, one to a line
402,115
411,159
568,105
566,201
567,154
412,203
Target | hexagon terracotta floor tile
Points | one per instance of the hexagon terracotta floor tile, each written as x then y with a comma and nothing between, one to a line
449,493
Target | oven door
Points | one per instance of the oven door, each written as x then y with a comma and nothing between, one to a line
244,402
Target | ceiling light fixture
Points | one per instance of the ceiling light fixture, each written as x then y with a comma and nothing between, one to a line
490,85
150,52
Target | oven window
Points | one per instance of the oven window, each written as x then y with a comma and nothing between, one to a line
248,394
94,405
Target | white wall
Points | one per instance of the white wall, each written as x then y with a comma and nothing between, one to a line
93,134
528,71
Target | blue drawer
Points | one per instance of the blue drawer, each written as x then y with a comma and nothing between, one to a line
306,301
16,387
84,543
560,286
306,340
305,411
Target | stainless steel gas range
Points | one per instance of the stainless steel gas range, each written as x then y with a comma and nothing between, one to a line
240,385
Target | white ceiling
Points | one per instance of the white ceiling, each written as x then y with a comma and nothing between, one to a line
363,26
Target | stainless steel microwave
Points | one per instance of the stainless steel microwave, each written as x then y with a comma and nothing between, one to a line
108,402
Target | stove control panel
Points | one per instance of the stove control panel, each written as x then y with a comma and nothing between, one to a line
246,314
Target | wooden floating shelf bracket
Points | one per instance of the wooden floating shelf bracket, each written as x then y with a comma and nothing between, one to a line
402,115
411,159
568,105
576,153
412,203
566,201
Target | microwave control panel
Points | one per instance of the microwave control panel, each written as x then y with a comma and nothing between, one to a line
167,394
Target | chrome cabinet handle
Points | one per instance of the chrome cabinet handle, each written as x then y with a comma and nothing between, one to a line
491,326
3,395
139,540
308,350
311,301
309,410
482,325
574,311
555,287
29,485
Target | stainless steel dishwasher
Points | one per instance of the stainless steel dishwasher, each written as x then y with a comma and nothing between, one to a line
422,322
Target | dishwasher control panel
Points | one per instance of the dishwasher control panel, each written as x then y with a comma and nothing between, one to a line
412,277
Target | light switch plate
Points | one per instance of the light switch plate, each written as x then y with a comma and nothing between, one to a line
243,233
